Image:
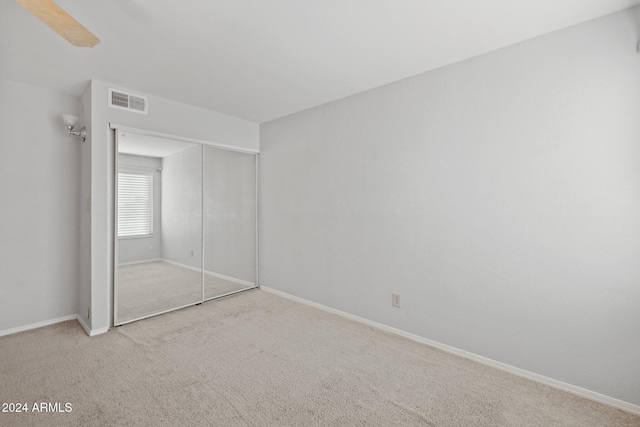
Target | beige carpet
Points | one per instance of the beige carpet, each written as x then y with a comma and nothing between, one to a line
153,287
256,359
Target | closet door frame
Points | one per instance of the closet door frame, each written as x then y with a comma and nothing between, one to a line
115,128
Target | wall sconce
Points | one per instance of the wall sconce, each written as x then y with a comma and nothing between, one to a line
70,121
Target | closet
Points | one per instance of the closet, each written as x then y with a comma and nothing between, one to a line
185,224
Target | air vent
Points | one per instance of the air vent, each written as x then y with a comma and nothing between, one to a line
127,101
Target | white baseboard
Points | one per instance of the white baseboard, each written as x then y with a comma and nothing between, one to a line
37,325
124,264
588,394
86,327
88,330
211,273
229,278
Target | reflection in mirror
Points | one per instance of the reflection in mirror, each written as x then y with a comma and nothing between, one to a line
159,226
229,191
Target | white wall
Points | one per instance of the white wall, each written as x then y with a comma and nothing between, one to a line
135,249
39,210
500,197
182,207
166,117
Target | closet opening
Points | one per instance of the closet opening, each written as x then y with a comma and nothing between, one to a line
185,223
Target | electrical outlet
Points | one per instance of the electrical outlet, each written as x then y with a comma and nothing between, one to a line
191,252
395,300
88,312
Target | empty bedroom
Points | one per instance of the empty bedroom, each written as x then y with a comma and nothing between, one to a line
285,213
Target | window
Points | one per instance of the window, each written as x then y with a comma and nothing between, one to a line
135,204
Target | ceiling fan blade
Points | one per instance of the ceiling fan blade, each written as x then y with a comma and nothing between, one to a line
60,22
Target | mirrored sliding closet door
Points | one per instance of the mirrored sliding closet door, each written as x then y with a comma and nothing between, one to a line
179,206
229,189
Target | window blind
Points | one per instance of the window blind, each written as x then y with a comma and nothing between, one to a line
135,204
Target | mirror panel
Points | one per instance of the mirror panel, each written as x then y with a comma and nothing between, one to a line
159,264
229,209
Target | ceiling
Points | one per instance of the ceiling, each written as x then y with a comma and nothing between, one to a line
260,60
150,146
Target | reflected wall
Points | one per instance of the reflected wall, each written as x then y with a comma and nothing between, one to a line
229,190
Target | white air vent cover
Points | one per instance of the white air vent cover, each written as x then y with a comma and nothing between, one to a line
127,101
